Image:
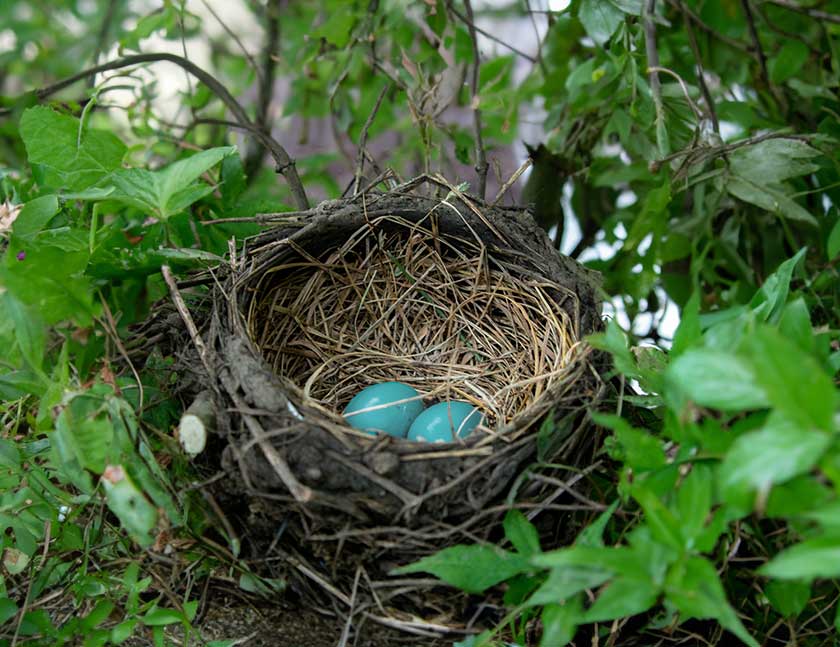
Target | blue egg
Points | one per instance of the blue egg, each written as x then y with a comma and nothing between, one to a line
394,419
441,422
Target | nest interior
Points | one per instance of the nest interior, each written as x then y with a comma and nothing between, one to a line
459,300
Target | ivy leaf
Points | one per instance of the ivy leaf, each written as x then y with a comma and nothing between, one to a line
70,156
470,568
170,190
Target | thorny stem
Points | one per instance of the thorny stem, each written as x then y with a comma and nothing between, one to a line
285,164
481,165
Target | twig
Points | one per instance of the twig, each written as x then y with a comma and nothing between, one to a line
758,49
360,160
481,165
701,79
103,36
694,109
203,353
345,635
109,317
513,178
537,38
285,164
653,75
235,39
490,36
265,77
817,14
697,20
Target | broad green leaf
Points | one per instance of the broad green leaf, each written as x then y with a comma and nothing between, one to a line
795,382
29,330
694,588
635,447
521,533
593,534
159,616
614,340
779,451
8,610
137,515
663,525
789,598
715,379
689,330
35,214
771,297
72,157
600,19
832,246
89,440
621,598
566,581
470,568
788,61
694,502
15,561
170,190
808,560
652,216
560,622
795,325
773,160
769,197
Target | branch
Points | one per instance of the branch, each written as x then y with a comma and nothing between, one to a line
360,161
103,35
697,20
285,164
490,36
481,165
816,14
759,50
254,158
701,78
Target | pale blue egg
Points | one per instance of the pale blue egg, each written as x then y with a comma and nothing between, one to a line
441,422
394,419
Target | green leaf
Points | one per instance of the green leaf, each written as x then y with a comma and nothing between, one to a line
560,622
773,160
614,341
592,535
808,560
788,61
170,190
715,379
566,581
694,502
789,598
795,382
771,198
635,447
521,533
776,453
34,215
621,598
652,216
29,330
600,19
663,525
693,587
137,515
770,299
15,561
833,243
159,617
795,325
470,568
8,610
71,157
689,330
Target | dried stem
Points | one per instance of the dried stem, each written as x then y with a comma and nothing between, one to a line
758,49
653,75
360,160
816,14
701,77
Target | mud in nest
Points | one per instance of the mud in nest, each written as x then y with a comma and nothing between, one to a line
443,315
427,287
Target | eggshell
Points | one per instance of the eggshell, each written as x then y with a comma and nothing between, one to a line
394,419
440,422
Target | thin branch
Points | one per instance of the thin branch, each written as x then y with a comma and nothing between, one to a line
481,165
265,76
102,38
653,74
539,40
234,38
757,48
490,36
285,164
697,20
701,77
360,160
816,14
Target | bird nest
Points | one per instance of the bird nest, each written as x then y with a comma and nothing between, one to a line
458,300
